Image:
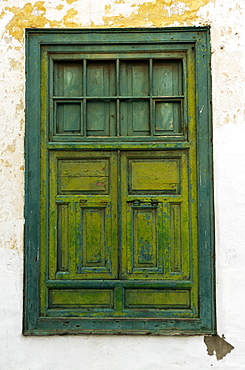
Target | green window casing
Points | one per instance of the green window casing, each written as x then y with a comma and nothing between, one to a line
119,200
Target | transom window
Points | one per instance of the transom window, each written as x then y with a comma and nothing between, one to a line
118,97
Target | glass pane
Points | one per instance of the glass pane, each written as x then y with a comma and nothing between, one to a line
68,79
134,78
135,118
167,117
167,78
68,118
101,77
101,118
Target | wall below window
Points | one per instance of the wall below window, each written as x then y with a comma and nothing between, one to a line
226,18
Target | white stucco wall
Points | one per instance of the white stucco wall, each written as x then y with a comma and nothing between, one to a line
227,21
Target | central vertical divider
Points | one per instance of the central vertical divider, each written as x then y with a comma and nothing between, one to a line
119,290
151,93
118,133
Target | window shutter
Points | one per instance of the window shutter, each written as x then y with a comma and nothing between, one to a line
121,183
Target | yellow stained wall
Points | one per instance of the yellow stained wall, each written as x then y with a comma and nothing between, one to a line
119,13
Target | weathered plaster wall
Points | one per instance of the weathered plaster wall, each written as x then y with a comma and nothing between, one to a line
226,18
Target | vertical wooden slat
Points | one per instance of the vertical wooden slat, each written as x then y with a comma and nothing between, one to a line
62,238
145,237
151,99
118,82
84,97
93,244
175,238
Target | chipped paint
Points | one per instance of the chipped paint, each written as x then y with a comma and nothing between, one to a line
28,16
157,13
71,1
119,13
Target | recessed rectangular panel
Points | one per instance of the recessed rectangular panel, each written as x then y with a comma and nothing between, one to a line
157,298
167,78
175,238
101,118
62,237
68,79
134,118
93,237
75,176
142,240
81,298
101,78
159,175
68,118
145,238
167,117
134,78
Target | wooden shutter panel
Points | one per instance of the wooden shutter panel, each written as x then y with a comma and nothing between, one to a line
123,172
83,210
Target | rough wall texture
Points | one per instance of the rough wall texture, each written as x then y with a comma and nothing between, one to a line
226,18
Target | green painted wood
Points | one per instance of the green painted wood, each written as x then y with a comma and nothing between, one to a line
68,79
124,171
77,298
101,78
81,183
68,118
152,184
158,299
167,78
117,97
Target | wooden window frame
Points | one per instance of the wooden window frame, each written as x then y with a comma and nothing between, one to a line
33,322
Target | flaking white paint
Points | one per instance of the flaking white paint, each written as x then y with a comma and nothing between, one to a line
226,18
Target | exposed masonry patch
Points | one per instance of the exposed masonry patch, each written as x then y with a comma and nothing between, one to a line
218,345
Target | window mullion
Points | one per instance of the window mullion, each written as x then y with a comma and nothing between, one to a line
84,97
151,100
118,93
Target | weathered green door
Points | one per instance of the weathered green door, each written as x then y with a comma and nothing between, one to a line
119,184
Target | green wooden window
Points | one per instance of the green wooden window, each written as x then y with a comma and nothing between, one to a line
119,202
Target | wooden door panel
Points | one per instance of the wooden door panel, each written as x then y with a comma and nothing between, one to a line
157,299
143,257
154,175
155,215
83,176
83,216
94,240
